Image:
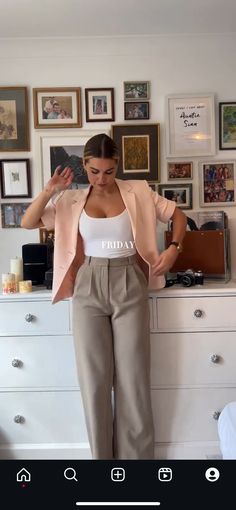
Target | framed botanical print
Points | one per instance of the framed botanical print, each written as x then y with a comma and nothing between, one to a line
14,127
57,107
227,125
139,148
15,178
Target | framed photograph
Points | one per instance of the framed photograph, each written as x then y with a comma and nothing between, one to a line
65,150
57,108
217,183
180,193
99,105
153,186
136,111
12,214
46,236
14,127
227,125
139,148
134,90
190,125
179,170
15,178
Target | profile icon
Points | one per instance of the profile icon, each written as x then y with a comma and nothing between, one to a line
212,474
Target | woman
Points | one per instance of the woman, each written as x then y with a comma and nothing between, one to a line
105,255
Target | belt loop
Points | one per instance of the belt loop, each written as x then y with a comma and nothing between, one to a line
89,259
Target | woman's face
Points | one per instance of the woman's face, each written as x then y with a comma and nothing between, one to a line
101,172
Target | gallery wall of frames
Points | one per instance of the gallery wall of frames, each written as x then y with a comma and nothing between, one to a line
190,134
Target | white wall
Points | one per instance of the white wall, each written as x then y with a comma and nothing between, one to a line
173,64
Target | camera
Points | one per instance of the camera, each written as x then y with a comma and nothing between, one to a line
189,277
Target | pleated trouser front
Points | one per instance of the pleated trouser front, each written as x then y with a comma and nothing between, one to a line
112,346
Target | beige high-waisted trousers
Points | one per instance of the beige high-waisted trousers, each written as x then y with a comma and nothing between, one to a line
112,347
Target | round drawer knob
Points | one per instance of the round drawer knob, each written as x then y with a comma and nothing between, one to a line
216,415
19,419
198,313
29,317
16,362
215,358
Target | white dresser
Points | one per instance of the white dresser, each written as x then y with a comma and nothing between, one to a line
193,373
41,412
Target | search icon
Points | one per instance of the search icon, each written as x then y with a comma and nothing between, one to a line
70,474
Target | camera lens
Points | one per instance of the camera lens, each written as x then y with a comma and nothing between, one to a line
187,280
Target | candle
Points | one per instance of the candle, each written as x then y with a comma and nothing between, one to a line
25,286
16,265
9,283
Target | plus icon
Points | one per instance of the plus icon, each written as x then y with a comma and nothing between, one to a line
118,474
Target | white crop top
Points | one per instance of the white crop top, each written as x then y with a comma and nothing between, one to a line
107,237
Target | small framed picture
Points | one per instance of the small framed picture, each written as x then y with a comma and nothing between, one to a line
180,170
139,149
136,111
227,121
99,105
12,214
57,108
153,186
14,126
180,193
217,183
15,178
134,90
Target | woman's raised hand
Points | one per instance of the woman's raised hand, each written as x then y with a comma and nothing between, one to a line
60,181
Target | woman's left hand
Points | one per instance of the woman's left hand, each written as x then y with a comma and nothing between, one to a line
165,261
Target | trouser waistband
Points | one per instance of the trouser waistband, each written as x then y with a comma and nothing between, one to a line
116,261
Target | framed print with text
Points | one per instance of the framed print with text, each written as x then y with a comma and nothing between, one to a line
14,127
139,151
190,125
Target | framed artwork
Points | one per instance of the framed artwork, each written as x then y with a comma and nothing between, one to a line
217,183
14,127
139,148
179,170
66,150
136,111
12,214
190,125
153,186
57,108
46,236
180,193
15,178
227,125
99,105
134,90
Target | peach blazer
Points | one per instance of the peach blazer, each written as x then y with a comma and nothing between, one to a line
144,206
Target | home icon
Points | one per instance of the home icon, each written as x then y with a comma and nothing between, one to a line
23,476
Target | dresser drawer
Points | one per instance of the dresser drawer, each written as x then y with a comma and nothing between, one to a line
193,359
37,361
35,317
193,313
187,415
50,417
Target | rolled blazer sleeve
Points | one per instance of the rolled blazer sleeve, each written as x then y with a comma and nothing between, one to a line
164,208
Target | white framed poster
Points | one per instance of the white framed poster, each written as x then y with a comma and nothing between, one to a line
190,125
